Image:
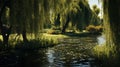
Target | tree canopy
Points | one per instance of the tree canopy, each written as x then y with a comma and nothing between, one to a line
30,16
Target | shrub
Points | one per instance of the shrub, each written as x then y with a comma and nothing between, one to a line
99,28
94,29
107,54
53,32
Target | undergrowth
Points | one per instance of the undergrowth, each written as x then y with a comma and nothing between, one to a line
107,55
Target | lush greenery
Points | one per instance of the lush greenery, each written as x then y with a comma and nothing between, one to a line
36,24
108,53
43,14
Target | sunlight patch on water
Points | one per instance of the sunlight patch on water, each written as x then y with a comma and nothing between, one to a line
101,40
50,56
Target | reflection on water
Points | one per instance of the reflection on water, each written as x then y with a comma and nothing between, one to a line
73,52
53,62
50,57
101,39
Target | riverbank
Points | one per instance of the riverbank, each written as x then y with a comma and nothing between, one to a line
69,50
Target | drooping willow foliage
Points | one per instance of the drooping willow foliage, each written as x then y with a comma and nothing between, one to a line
110,49
31,15
26,15
111,21
78,10
108,31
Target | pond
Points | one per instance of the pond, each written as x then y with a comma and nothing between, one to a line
71,52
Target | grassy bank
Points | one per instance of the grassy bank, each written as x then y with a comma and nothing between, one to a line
107,55
42,41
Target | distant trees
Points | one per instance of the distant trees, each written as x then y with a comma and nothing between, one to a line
95,16
96,9
80,15
66,24
30,16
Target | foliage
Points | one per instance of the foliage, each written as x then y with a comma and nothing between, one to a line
24,17
36,44
107,55
96,9
94,29
42,42
104,51
80,14
32,15
53,31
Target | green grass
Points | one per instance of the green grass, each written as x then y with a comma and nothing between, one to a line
42,41
104,50
108,55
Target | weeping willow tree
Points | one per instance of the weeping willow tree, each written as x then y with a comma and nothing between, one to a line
20,16
56,13
108,31
75,12
109,52
111,21
28,16
59,10
95,18
114,15
5,30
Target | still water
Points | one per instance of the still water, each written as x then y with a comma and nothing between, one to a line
71,52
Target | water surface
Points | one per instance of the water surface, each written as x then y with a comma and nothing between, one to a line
71,52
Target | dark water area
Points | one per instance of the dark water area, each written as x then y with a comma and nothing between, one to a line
71,52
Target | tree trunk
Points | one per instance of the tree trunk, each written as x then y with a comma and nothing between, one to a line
114,18
66,24
5,30
24,36
112,29
57,21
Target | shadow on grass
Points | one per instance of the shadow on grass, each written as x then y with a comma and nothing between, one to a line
24,54
82,34
34,45
108,55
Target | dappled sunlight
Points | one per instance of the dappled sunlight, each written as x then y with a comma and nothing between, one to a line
59,33
0,37
70,53
101,40
54,36
105,51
